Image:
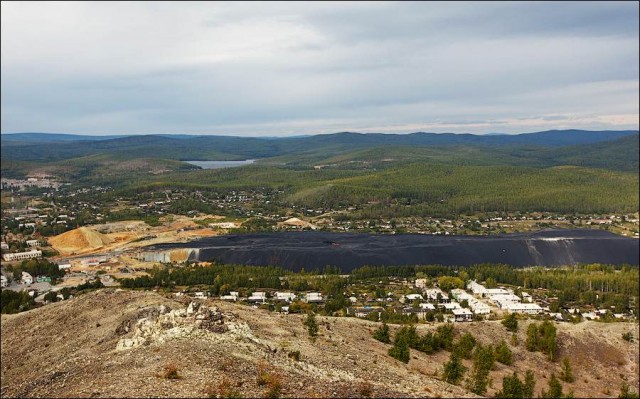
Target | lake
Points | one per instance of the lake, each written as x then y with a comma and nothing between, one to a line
220,164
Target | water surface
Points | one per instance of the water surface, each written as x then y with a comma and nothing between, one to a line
221,164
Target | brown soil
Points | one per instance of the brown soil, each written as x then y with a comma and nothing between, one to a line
79,240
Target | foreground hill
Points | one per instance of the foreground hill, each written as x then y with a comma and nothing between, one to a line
114,343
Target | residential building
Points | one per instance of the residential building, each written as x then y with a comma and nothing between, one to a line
33,243
3,281
313,297
462,315
258,296
526,308
233,296
285,296
26,278
22,255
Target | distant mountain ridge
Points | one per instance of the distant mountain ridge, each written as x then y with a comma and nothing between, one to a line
54,147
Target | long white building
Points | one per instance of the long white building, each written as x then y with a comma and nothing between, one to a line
22,255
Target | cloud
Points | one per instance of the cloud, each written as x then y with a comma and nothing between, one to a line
281,68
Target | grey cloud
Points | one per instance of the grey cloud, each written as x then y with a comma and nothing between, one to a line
277,68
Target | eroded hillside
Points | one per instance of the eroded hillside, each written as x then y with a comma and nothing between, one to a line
117,343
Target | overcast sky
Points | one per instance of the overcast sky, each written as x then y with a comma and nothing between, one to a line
305,68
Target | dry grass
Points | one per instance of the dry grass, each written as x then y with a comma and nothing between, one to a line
170,371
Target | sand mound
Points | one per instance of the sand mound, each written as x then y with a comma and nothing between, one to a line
79,240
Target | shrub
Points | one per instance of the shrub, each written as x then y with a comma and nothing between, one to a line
274,386
295,355
483,361
365,389
223,390
382,334
453,369
567,374
170,371
312,325
627,337
504,354
511,322
262,376
465,345
400,349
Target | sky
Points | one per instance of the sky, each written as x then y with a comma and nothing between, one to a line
278,69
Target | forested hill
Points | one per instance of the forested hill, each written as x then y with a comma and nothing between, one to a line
44,147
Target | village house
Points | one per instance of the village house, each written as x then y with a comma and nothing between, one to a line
258,296
313,297
462,315
26,278
285,296
233,296
64,264
22,255
421,283
410,298
450,306
525,308
427,306
436,295
365,311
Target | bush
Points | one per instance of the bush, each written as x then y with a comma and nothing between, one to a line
567,374
504,354
382,334
465,345
295,355
542,338
483,361
365,389
453,369
627,337
312,325
223,390
274,386
511,323
170,371
400,349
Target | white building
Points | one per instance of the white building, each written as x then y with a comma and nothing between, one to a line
33,243
502,300
258,296
432,295
285,296
462,315
526,308
427,306
3,281
22,255
4,245
26,278
421,282
313,297
410,297
479,307
233,296
64,265
477,289
450,306
526,297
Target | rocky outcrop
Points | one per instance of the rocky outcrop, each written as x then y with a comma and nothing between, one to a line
160,324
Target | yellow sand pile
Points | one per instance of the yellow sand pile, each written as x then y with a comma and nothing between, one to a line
79,240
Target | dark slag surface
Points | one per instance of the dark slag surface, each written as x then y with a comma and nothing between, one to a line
296,250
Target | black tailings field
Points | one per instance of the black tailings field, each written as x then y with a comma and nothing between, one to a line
296,250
